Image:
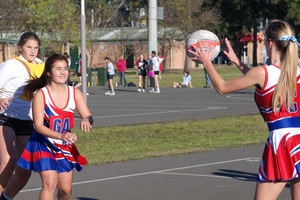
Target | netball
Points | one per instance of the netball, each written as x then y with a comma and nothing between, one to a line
207,39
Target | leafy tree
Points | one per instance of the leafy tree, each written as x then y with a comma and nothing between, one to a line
239,16
55,22
186,16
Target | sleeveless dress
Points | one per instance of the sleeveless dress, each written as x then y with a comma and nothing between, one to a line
281,155
44,153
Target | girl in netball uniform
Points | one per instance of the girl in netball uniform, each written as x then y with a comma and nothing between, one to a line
51,150
277,96
15,111
141,66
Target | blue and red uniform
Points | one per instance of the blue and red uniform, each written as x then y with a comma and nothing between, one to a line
281,156
44,153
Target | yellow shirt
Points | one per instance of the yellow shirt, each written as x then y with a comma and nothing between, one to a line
34,71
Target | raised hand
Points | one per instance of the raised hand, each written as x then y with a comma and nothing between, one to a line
231,54
201,55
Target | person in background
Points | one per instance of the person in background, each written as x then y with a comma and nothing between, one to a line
110,76
155,65
186,81
151,74
78,71
160,60
51,149
69,65
141,66
276,95
15,112
207,80
121,65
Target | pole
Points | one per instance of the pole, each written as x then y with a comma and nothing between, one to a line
83,50
152,26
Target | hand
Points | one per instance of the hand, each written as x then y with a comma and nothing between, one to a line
230,54
85,125
4,103
200,54
68,137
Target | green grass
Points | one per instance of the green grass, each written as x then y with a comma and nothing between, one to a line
121,143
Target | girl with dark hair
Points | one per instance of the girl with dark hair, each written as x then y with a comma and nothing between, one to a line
277,97
51,150
15,111
186,81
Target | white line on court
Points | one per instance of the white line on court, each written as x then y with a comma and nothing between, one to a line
153,172
238,97
209,176
162,112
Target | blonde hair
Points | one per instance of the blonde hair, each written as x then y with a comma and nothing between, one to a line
285,89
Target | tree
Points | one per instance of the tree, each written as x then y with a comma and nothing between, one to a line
239,16
55,22
186,16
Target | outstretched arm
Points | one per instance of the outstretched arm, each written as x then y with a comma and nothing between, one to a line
233,58
255,76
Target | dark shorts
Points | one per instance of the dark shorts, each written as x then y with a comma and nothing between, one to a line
79,74
110,77
156,72
21,127
142,72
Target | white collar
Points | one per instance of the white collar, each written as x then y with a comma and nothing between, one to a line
37,60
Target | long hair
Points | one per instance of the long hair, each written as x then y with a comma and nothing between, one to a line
38,83
285,89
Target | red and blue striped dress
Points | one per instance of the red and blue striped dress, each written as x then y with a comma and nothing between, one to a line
281,156
44,153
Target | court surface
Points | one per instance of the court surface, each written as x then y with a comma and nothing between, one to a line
227,174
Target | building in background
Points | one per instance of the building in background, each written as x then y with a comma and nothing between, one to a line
131,42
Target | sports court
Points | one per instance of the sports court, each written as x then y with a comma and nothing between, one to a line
228,174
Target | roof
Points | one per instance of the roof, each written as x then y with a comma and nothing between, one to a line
109,34
6,40
131,33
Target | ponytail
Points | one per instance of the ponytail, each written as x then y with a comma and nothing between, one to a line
283,36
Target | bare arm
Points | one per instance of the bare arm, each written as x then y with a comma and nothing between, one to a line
84,112
190,83
255,76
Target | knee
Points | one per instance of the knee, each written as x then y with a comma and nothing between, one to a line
64,192
50,185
